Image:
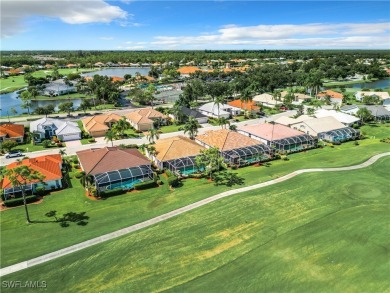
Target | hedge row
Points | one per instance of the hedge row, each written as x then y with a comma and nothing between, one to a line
19,201
173,181
145,185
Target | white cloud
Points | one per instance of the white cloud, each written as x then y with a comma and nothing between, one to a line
314,35
135,48
14,13
106,38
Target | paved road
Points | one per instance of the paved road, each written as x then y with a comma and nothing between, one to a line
72,150
62,252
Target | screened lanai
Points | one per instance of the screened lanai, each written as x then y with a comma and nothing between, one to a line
14,192
184,166
294,143
123,178
248,154
342,134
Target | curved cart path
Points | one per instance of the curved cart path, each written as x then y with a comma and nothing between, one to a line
53,255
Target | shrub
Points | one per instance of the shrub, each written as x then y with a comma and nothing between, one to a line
159,182
337,143
169,173
46,143
145,185
76,166
40,191
79,174
196,175
173,181
91,140
356,142
19,201
75,160
59,144
234,167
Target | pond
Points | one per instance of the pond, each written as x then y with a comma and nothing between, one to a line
383,84
11,100
120,72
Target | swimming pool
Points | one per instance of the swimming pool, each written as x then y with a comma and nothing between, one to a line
124,185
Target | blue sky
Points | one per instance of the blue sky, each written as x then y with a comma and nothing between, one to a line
166,25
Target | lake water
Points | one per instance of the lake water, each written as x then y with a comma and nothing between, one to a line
383,84
120,72
11,100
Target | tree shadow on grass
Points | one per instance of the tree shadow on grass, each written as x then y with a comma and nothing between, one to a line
71,217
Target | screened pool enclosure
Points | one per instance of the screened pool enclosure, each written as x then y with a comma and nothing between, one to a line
342,134
184,166
123,178
294,143
247,155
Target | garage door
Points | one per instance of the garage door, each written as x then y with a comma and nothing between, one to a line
73,136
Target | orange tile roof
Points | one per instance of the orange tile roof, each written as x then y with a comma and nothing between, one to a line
13,130
188,69
176,147
97,123
330,93
95,161
117,79
144,115
250,105
225,139
49,166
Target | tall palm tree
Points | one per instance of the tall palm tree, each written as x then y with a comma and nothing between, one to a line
110,136
121,126
191,126
222,121
218,102
152,135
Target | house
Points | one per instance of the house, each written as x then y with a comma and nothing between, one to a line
9,131
378,112
144,119
177,154
386,104
245,105
327,128
46,128
215,110
50,166
335,97
346,119
235,148
99,64
266,100
280,137
349,109
187,112
58,88
115,168
288,121
381,95
98,125
187,70
298,98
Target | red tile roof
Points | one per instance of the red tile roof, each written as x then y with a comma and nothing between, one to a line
95,161
49,166
13,130
188,69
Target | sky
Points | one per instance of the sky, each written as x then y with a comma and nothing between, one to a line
193,25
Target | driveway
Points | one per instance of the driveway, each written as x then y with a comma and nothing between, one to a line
73,143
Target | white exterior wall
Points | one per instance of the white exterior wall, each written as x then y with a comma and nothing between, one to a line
266,142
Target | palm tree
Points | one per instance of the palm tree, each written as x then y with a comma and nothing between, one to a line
223,122
62,153
246,97
110,136
191,126
121,126
19,177
152,151
152,135
218,102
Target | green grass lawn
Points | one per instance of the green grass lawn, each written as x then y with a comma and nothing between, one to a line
29,147
318,232
170,128
124,210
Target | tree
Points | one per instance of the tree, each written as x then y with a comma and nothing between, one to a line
62,152
85,105
218,102
8,145
121,126
233,127
191,126
364,114
19,177
222,121
209,160
110,136
310,111
152,135
66,107
26,100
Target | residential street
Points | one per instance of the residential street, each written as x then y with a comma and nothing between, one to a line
71,150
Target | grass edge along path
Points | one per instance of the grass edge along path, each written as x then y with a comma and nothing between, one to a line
62,252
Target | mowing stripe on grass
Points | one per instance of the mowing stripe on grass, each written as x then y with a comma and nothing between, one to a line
62,252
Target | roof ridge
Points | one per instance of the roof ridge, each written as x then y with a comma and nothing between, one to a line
99,160
226,138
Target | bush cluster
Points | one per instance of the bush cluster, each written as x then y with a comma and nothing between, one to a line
145,185
19,201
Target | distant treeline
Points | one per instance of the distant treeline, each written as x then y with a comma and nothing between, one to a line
88,58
